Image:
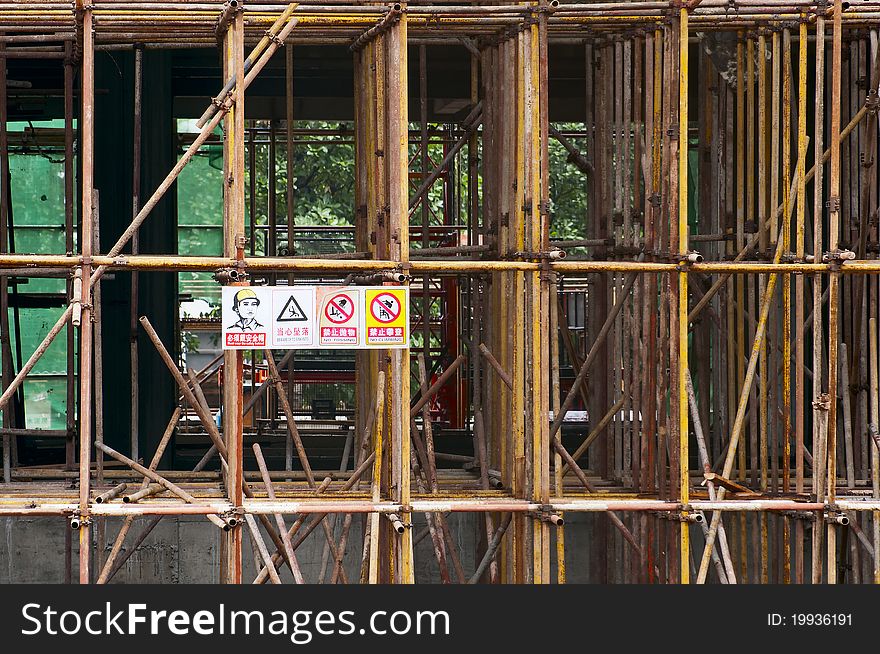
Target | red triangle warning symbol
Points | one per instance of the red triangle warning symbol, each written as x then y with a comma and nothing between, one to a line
292,312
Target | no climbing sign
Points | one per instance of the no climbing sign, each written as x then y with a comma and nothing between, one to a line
315,317
386,316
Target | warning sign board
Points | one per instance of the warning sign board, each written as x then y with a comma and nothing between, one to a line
292,312
386,316
306,317
339,316
293,308
247,317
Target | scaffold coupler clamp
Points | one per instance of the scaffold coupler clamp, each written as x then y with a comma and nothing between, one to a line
274,38
222,103
554,254
546,513
392,16
680,515
835,258
226,276
233,517
370,279
76,298
546,7
834,516
548,275
230,8
872,102
807,516
403,268
689,258
684,4
397,523
78,520
687,514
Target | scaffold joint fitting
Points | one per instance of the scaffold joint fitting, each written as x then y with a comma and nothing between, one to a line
226,276
872,102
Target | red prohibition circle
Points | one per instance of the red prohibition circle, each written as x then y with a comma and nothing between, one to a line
377,300
333,303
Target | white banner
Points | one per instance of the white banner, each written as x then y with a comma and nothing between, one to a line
315,317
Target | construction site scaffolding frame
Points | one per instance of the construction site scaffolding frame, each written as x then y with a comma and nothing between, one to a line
515,437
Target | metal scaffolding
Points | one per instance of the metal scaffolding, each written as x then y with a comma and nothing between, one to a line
718,447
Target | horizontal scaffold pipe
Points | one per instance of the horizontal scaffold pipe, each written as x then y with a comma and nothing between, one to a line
124,21
18,264
34,508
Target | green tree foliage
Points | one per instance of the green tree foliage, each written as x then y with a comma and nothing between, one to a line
323,183
568,188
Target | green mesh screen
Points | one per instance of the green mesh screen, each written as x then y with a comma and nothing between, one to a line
37,227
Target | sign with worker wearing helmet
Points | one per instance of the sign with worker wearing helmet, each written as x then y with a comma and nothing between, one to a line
314,317
247,317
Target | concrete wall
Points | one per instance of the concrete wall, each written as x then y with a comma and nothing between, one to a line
186,550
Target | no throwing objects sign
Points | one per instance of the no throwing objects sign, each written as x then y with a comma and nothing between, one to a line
340,309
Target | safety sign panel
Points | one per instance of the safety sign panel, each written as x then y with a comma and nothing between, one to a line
339,319
247,317
386,316
294,311
312,317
